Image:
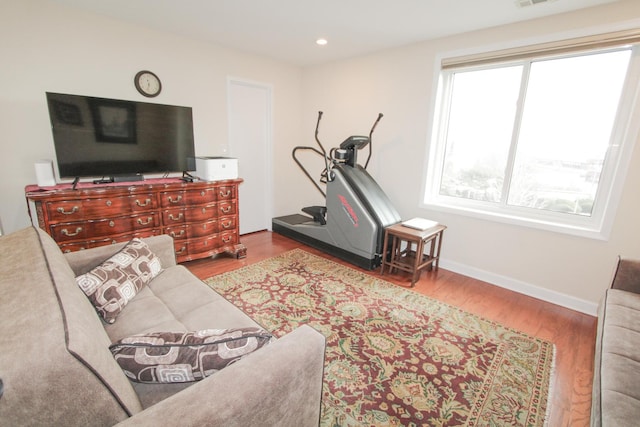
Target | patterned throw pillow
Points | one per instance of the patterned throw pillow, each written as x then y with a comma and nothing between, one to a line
112,284
177,357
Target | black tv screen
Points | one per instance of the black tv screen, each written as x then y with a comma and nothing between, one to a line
109,137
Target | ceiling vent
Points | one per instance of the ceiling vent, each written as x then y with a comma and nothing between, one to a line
525,3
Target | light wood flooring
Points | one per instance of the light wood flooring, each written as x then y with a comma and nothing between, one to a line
572,332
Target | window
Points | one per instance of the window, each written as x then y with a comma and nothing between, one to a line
534,140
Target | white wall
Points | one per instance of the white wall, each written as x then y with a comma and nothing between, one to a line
400,83
48,47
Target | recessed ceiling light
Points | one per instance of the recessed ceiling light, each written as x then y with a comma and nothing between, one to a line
321,42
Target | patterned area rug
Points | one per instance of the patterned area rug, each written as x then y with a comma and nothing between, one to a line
395,357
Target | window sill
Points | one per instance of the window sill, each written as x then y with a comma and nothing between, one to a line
579,230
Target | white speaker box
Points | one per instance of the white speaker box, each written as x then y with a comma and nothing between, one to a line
44,173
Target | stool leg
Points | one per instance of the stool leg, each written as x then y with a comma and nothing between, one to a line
437,254
394,253
384,252
418,260
432,255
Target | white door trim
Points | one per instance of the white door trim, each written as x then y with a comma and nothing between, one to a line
267,210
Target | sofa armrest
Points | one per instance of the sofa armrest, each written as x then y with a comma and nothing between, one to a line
627,275
85,260
281,384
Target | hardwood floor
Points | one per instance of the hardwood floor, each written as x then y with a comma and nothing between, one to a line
572,332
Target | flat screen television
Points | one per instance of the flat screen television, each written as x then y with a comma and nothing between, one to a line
101,137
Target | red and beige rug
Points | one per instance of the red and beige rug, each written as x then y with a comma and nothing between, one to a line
395,357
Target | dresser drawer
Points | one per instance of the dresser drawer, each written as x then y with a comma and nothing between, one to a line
70,210
202,229
181,249
174,217
190,231
104,227
204,246
79,246
227,223
177,232
227,208
226,192
188,197
229,238
215,241
189,214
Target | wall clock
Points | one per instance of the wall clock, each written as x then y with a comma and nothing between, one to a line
147,83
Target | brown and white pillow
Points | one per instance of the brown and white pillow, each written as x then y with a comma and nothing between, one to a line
112,284
176,357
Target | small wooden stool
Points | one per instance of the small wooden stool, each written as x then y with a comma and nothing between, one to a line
407,259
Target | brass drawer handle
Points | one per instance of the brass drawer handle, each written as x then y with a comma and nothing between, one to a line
142,222
225,209
109,203
67,233
174,234
177,200
181,250
72,211
227,194
173,218
112,224
226,224
227,239
142,205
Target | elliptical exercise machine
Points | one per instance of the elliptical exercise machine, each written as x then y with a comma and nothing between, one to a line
351,224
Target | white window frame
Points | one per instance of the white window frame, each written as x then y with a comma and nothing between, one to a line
597,226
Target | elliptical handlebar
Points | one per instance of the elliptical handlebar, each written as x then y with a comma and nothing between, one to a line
315,150
327,171
355,143
325,175
317,127
380,116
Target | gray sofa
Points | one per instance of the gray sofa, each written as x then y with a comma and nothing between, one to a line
616,378
57,369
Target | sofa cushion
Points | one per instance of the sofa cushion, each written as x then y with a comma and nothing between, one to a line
616,396
176,357
177,301
112,284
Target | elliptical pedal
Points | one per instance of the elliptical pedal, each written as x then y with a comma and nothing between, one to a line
317,212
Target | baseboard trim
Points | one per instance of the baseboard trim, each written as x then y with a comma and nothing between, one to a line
521,287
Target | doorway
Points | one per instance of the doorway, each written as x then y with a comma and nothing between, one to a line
250,130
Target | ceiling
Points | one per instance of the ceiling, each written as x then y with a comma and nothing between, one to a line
286,30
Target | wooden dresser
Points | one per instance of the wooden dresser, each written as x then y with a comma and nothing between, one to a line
202,217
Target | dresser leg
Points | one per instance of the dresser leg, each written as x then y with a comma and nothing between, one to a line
238,250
